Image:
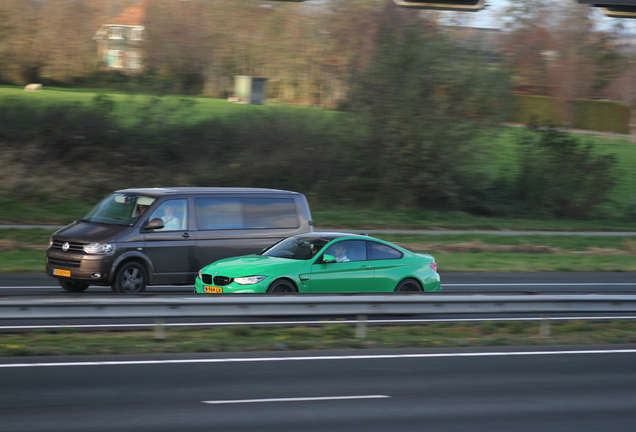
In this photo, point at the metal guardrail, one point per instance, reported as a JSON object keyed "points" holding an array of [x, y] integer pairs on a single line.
{"points": [[311, 306]]}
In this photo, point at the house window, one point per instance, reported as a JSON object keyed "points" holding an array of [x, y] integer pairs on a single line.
{"points": [[115, 58], [135, 34], [134, 60], [116, 33]]}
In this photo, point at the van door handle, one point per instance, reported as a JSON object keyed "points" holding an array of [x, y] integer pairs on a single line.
{"points": [[185, 235]]}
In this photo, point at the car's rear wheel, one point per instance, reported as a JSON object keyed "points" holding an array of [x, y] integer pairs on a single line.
{"points": [[408, 285], [282, 286], [72, 286], [131, 279]]}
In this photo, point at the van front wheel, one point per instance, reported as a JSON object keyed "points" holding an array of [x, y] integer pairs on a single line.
{"points": [[74, 287], [131, 279]]}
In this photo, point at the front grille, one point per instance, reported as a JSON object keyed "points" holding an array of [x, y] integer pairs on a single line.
{"points": [[58, 262], [218, 280], [222, 280], [73, 247]]}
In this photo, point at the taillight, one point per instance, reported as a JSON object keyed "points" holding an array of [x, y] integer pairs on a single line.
{"points": [[434, 266]]}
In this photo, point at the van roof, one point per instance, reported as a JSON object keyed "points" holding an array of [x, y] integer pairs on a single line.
{"points": [[160, 192]]}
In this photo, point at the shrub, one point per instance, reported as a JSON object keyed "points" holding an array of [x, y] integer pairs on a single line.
{"points": [[560, 175]]}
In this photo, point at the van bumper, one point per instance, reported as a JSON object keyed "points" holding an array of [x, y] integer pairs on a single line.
{"points": [[91, 269]]}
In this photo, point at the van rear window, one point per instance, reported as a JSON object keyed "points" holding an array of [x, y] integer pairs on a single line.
{"points": [[245, 213]]}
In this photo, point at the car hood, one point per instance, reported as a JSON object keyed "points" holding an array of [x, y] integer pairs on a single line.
{"points": [[252, 265], [90, 232]]}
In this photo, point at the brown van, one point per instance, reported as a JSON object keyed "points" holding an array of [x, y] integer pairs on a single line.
{"points": [[151, 236]]}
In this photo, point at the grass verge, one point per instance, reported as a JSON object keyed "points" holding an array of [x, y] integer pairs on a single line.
{"points": [[22, 251], [330, 336]]}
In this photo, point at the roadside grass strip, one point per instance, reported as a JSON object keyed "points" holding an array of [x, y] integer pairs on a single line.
{"points": [[336, 335]]}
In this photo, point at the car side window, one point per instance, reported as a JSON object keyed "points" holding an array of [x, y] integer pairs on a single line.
{"points": [[174, 214], [351, 250], [379, 251]]}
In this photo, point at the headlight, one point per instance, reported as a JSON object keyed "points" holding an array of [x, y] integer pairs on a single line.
{"points": [[249, 280], [99, 248], [199, 275]]}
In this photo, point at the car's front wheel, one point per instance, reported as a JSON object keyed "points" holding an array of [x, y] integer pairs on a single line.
{"points": [[131, 279], [408, 285], [74, 287], [282, 286]]}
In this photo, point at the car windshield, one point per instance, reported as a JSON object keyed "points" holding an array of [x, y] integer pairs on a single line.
{"points": [[119, 209], [298, 248]]}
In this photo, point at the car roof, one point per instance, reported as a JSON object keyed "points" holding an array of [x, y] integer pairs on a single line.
{"points": [[328, 236], [160, 192]]}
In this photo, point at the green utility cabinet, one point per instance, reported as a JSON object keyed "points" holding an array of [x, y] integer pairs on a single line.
{"points": [[250, 89]]}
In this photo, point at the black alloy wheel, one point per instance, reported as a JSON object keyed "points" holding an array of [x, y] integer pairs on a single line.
{"points": [[74, 287], [282, 286], [131, 279], [408, 285]]}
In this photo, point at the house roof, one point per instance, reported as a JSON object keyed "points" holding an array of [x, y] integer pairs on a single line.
{"points": [[133, 15]]}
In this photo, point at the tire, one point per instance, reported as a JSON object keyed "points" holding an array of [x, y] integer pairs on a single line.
{"points": [[282, 286], [74, 287], [131, 279], [408, 285]]}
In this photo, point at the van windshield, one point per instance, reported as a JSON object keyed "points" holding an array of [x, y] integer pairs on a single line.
{"points": [[119, 209]]}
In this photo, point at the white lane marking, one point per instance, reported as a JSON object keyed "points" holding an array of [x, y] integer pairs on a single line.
{"points": [[298, 399], [315, 358], [544, 284], [443, 285]]}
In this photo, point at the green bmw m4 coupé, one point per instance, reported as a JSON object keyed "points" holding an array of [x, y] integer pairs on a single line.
{"points": [[325, 263]]}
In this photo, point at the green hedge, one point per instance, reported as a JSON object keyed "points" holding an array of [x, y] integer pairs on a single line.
{"points": [[596, 115], [536, 109], [606, 116]]}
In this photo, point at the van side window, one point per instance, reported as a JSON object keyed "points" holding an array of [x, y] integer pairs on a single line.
{"points": [[242, 213], [270, 213], [174, 214], [219, 213]]}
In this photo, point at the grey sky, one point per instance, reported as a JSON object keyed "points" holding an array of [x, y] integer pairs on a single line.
{"points": [[488, 17]]}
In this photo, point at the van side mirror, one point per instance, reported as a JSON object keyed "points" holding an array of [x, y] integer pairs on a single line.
{"points": [[326, 259], [156, 223]]}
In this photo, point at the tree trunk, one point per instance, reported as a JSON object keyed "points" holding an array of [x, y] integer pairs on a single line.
{"points": [[632, 124]]}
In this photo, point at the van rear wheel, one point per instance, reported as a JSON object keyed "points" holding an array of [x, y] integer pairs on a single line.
{"points": [[74, 287], [131, 279]]}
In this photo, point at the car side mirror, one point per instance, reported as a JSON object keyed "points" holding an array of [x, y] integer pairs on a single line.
{"points": [[326, 259], [156, 223]]}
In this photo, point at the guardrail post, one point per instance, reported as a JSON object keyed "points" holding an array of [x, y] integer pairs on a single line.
{"points": [[160, 328], [361, 326], [545, 325]]}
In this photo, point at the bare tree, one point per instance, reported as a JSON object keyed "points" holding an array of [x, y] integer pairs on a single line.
{"points": [[48, 39]]}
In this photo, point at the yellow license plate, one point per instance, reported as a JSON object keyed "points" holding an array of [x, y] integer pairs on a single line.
{"points": [[58, 272], [212, 289]]}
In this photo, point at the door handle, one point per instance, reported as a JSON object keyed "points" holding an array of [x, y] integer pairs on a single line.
{"points": [[185, 235], [366, 267]]}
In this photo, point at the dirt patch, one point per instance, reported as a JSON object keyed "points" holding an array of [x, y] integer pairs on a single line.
{"points": [[477, 246], [12, 245]]}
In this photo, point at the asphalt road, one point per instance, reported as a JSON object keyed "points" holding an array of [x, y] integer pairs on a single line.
{"points": [[475, 283], [425, 390]]}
